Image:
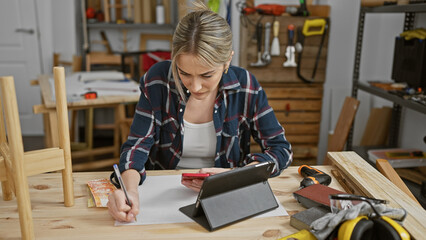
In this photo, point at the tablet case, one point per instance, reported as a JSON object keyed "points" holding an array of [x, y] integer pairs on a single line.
{"points": [[232, 196]]}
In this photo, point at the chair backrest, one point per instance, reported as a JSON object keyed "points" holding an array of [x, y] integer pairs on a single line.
{"points": [[76, 63], [343, 126], [16, 165]]}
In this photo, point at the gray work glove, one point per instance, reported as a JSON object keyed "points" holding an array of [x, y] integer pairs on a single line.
{"points": [[323, 226]]}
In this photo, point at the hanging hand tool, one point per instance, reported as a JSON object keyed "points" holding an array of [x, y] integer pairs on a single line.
{"points": [[266, 56], [310, 28], [259, 62], [275, 49], [302, 10], [313, 176], [290, 50], [270, 9]]}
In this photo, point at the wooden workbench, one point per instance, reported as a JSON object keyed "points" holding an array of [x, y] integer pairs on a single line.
{"points": [[54, 221]]}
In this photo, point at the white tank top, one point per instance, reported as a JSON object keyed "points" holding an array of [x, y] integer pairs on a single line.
{"points": [[199, 145]]}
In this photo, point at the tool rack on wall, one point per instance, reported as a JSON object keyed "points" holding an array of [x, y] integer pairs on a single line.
{"points": [[296, 104], [398, 102]]}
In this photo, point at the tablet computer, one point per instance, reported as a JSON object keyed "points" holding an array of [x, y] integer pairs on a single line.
{"points": [[237, 178], [234, 195]]}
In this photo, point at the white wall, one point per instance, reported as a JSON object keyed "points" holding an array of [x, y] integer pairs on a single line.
{"points": [[57, 31], [377, 55]]}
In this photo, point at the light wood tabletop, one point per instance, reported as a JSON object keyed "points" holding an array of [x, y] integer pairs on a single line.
{"points": [[54, 221]]}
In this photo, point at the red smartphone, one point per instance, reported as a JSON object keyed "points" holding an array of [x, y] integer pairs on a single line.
{"points": [[190, 176]]}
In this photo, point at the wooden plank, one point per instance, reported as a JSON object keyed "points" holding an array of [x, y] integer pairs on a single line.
{"points": [[300, 162], [7, 187], [296, 105], [182, 8], [375, 185], [147, 12], [93, 152], [46, 91], [377, 128], [285, 75], [137, 7], [319, 10], [43, 160], [411, 174], [86, 166], [302, 139], [167, 5], [388, 171], [117, 9], [342, 181], [16, 151], [305, 151], [106, 11], [308, 62], [341, 131], [293, 93], [301, 128], [63, 136], [298, 117], [2, 169], [299, 151]]}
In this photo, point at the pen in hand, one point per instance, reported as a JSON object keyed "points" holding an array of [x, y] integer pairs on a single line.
{"points": [[123, 187]]}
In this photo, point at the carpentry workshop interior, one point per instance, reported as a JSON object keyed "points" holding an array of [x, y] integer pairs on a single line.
{"points": [[346, 81]]}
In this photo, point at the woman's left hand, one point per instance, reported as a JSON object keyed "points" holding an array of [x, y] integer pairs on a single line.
{"points": [[195, 184]]}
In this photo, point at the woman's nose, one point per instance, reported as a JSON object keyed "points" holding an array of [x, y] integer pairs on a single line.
{"points": [[196, 85]]}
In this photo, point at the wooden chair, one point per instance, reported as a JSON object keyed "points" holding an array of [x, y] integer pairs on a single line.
{"points": [[16, 165], [347, 115], [119, 113], [75, 64], [103, 58]]}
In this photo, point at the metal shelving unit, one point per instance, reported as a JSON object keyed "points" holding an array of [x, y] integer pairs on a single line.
{"points": [[163, 28], [398, 102], [150, 28]]}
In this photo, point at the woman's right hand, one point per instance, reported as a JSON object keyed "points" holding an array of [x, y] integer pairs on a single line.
{"points": [[118, 208]]}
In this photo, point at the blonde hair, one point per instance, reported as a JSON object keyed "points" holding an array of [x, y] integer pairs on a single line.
{"points": [[204, 34]]}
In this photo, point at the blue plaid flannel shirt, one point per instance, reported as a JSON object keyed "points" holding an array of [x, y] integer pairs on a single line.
{"points": [[241, 110]]}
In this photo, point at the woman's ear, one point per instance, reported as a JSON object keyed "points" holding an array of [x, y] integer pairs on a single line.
{"points": [[228, 63]]}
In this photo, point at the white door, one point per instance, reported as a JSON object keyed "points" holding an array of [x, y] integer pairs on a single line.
{"points": [[20, 58]]}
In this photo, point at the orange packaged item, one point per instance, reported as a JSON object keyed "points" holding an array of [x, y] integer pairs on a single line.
{"points": [[100, 190]]}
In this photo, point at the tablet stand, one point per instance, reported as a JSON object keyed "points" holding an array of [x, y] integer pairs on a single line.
{"points": [[232, 206]]}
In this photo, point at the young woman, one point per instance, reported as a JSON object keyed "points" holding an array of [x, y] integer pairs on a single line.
{"points": [[197, 111]]}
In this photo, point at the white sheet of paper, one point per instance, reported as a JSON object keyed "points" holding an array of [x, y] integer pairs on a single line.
{"points": [[108, 87], [161, 197]]}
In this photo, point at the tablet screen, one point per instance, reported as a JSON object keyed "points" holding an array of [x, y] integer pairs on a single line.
{"points": [[234, 179]]}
